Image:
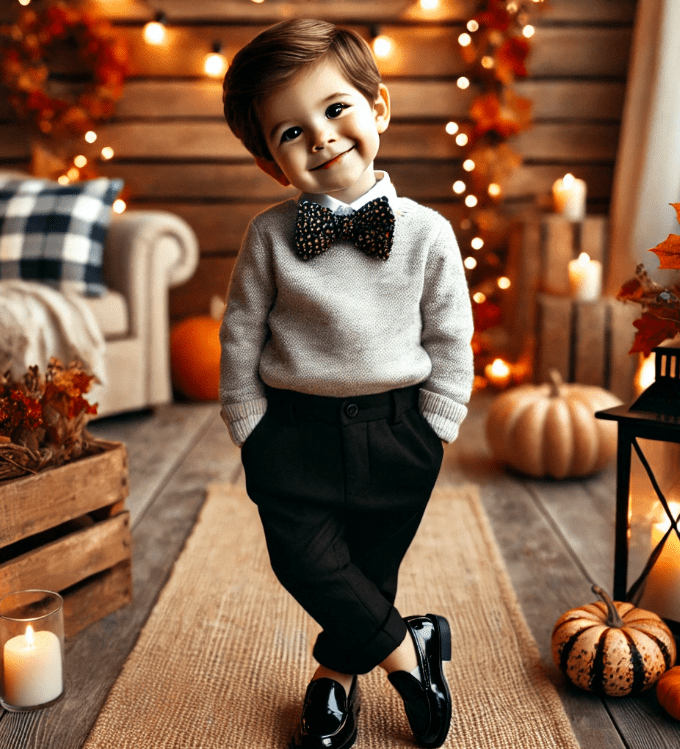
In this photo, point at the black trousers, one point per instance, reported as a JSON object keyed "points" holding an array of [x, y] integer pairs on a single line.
{"points": [[341, 485]]}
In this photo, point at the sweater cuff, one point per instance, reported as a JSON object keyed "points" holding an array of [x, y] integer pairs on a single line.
{"points": [[242, 418], [443, 414]]}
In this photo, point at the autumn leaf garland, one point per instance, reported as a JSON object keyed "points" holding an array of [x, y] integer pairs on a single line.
{"points": [[660, 305]]}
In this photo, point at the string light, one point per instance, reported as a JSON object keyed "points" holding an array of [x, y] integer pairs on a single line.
{"points": [[472, 25], [465, 40], [154, 31], [24, 2], [107, 153], [119, 205], [471, 201], [470, 262], [452, 128], [463, 82], [488, 62], [382, 46], [461, 139], [504, 282], [90, 136], [73, 174], [468, 165], [494, 190], [459, 187], [80, 161], [63, 180], [215, 64], [528, 31], [479, 297], [477, 243]]}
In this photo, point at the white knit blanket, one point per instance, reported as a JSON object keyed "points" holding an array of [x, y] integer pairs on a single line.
{"points": [[38, 322]]}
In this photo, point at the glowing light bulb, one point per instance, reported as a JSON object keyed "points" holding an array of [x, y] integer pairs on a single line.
{"points": [[465, 40], [494, 190], [461, 139], [472, 25], [24, 2], [488, 62], [382, 46], [468, 165], [90, 136], [479, 297], [107, 153], [452, 128], [503, 282], [477, 243], [463, 82], [459, 186], [215, 64], [119, 206], [63, 179], [154, 32], [471, 201], [73, 174], [528, 31], [80, 161], [470, 263]]}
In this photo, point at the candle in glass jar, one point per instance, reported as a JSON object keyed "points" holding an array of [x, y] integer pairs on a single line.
{"points": [[585, 278], [32, 668], [569, 197], [498, 373]]}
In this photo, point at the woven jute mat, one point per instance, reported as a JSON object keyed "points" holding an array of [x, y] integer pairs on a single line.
{"points": [[224, 658]]}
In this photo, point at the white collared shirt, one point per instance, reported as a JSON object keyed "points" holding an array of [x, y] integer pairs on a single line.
{"points": [[382, 188]]}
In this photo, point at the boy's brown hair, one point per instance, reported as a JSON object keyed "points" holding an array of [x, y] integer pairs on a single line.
{"points": [[275, 56]]}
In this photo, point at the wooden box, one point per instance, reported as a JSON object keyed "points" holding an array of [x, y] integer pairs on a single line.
{"points": [[66, 529]]}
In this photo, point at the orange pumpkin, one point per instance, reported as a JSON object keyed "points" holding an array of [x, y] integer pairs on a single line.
{"points": [[550, 429], [612, 648], [668, 692], [195, 357]]}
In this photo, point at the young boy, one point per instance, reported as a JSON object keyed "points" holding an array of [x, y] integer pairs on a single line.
{"points": [[346, 363]]}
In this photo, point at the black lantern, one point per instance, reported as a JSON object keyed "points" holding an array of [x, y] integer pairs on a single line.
{"points": [[647, 538]]}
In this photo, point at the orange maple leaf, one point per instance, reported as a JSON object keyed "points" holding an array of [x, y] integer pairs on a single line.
{"points": [[668, 252], [651, 331]]}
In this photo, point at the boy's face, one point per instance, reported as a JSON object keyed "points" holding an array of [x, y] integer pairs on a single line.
{"points": [[323, 134]]}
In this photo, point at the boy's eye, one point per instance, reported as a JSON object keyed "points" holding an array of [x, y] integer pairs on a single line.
{"points": [[291, 134], [335, 109]]}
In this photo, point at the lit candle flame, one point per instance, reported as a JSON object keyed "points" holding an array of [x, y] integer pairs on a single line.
{"points": [[29, 636]]}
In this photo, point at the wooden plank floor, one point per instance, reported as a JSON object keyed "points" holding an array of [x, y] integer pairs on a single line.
{"points": [[556, 539]]}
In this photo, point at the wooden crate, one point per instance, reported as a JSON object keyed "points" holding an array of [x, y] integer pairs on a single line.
{"points": [[66, 529]]}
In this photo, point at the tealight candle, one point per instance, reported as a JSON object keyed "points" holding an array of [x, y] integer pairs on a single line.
{"points": [[498, 373], [569, 197], [33, 672], [585, 278]]}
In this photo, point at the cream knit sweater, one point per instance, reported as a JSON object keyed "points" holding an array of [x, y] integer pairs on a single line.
{"points": [[344, 324]]}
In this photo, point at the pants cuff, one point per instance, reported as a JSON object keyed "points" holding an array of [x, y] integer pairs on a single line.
{"points": [[362, 658]]}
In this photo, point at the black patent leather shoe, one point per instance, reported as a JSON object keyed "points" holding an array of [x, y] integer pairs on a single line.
{"points": [[427, 701], [329, 716]]}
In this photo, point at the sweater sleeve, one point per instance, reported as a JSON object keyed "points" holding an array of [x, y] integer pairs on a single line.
{"points": [[243, 334], [447, 329]]}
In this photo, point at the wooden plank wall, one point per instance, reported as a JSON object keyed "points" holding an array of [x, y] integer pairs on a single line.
{"points": [[176, 153]]}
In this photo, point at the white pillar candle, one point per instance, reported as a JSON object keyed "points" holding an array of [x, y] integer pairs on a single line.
{"points": [[32, 668], [585, 278], [569, 197], [662, 589]]}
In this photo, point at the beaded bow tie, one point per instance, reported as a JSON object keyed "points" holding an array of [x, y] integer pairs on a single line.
{"points": [[371, 229]]}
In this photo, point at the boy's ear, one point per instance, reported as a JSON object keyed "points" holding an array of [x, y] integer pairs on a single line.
{"points": [[272, 169], [381, 108]]}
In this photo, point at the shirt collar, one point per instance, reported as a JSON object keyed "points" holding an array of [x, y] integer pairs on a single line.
{"points": [[382, 188]]}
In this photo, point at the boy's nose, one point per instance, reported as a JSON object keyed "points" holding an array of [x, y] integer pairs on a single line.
{"points": [[321, 139]]}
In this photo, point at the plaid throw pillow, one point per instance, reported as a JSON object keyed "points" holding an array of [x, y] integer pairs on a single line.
{"points": [[54, 233]]}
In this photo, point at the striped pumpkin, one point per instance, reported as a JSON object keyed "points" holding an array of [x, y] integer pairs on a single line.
{"points": [[612, 648]]}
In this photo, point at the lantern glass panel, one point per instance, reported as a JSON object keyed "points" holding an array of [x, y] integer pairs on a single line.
{"points": [[648, 523]]}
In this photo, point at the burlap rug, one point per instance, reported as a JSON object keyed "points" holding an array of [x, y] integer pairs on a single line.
{"points": [[223, 661]]}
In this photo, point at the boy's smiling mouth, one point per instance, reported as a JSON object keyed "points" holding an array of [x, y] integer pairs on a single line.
{"points": [[331, 162]]}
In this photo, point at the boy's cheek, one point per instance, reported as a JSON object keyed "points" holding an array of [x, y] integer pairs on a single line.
{"points": [[272, 169]]}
